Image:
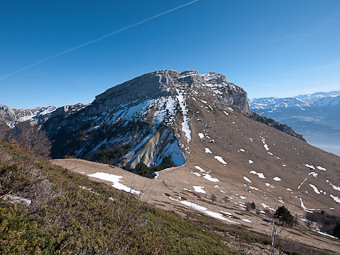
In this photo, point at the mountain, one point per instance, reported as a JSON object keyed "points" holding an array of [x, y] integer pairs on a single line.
{"points": [[219, 158], [11, 117], [24, 126], [145, 120], [316, 116]]}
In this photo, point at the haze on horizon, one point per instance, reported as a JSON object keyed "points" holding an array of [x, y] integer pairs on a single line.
{"points": [[281, 48]]}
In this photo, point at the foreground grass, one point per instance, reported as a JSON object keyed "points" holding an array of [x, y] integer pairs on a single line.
{"points": [[70, 214]]}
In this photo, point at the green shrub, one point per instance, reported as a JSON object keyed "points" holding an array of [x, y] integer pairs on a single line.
{"points": [[283, 214], [149, 172]]}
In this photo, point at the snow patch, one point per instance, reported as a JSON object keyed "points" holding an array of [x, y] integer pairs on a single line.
{"points": [[246, 179], [210, 178], [323, 233], [175, 152], [185, 123], [226, 213], [203, 210], [302, 183], [321, 168], [260, 175], [266, 206], [334, 186], [336, 199], [269, 185], [303, 206], [200, 169], [220, 159], [207, 150], [264, 143], [199, 189], [315, 188], [115, 179], [277, 179], [309, 166], [195, 173], [314, 174]]}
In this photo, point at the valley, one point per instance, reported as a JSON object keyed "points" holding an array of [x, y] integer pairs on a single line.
{"points": [[314, 115]]}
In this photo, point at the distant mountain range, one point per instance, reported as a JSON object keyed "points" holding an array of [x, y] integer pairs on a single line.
{"points": [[316, 116], [11, 117]]}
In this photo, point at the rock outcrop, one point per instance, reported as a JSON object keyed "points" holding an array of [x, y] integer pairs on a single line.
{"points": [[164, 83]]}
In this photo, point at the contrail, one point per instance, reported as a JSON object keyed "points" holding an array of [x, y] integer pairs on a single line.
{"points": [[96, 40]]}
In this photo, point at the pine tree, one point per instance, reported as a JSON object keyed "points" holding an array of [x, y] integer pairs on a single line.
{"points": [[283, 214]]}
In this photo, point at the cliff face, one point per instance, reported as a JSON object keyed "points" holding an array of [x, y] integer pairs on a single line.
{"points": [[165, 82], [144, 120]]}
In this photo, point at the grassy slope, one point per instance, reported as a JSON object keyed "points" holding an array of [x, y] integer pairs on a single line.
{"points": [[64, 218], [71, 214]]}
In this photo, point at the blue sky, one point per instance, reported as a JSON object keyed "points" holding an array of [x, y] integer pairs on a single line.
{"points": [[269, 48]]}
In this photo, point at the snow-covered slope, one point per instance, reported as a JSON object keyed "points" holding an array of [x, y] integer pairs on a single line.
{"points": [[301, 102], [11, 116], [316, 116]]}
